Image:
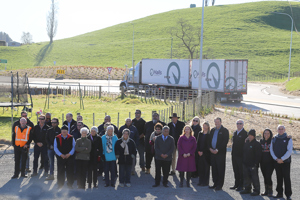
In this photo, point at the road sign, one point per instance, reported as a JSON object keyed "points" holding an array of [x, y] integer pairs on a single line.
{"points": [[60, 71], [109, 69], [3, 61]]}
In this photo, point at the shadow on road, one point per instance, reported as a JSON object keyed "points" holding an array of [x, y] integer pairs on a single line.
{"points": [[244, 105]]}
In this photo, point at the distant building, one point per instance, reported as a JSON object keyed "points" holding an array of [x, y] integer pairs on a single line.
{"points": [[14, 44], [3, 43], [193, 6]]}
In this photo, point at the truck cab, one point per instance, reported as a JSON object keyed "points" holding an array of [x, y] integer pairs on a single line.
{"points": [[131, 77]]}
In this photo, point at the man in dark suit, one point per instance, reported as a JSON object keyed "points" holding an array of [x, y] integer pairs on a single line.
{"points": [[238, 141], [218, 140], [149, 128], [176, 128], [70, 123]]}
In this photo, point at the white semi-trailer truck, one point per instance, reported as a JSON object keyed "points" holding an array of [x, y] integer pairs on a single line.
{"points": [[228, 78]]}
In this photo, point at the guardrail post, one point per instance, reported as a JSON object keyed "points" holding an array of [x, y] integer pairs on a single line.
{"points": [[118, 120], [165, 95]]}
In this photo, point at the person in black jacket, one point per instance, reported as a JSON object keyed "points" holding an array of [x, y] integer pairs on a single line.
{"points": [[251, 159], [139, 123], [125, 151], [195, 124], [40, 147], [52, 132], [70, 123], [203, 155], [95, 156], [149, 128], [238, 141], [218, 139], [107, 119], [267, 162], [48, 119], [176, 128]]}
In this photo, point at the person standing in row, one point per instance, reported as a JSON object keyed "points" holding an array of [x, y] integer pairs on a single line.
{"points": [[21, 139], [238, 141], [70, 123], [80, 119], [64, 147], [195, 124], [52, 132], [218, 140], [251, 159], [267, 162], [164, 146], [108, 142], [187, 146], [83, 148], [149, 128], [30, 124], [107, 119], [204, 155], [125, 150], [176, 128], [48, 119], [139, 123], [40, 147], [95, 156], [281, 151]]}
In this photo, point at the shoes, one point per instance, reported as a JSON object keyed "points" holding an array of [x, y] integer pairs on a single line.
{"points": [[27, 170], [147, 171], [45, 174], [132, 173], [143, 169], [233, 187], [106, 185], [166, 185], [239, 189], [50, 177], [34, 174], [121, 185], [95, 186], [59, 187], [41, 167], [288, 198], [155, 185], [128, 185], [89, 186], [112, 185], [14, 177], [212, 187], [172, 173], [245, 191], [218, 188], [278, 196], [24, 176], [254, 194]]}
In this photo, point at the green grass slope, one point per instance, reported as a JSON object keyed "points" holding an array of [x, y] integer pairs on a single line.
{"points": [[242, 31], [293, 85]]}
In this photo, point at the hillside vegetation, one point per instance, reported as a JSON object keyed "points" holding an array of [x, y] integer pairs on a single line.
{"points": [[242, 31]]}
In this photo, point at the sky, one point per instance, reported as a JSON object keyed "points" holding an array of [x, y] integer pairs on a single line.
{"points": [[76, 17]]}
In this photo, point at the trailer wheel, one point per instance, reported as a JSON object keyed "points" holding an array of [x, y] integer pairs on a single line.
{"points": [[218, 98]]}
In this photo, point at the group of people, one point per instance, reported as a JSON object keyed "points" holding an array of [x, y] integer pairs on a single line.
{"points": [[84, 153]]}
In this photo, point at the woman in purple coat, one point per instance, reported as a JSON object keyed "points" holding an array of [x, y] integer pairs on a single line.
{"points": [[186, 155]]}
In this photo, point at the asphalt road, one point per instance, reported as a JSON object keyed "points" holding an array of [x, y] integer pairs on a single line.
{"points": [[36, 188]]}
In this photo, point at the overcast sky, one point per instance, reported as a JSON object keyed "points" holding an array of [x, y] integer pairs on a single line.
{"points": [[76, 17]]}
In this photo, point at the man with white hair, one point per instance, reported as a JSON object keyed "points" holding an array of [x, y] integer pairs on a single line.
{"points": [[21, 139], [238, 141], [107, 118], [281, 150], [70, 122]]}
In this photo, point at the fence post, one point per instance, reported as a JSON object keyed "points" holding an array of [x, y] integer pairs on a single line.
{"points": [[165, 95], [62, 117], [93, 119], [118, 120], [70, 90], [129, 114], [183, 111]]}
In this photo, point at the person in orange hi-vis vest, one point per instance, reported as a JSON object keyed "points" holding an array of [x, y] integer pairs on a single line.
{"points": [[21, 139]]}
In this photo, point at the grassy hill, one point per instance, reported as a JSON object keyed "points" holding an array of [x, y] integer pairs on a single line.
{"points": [[247, 31]]}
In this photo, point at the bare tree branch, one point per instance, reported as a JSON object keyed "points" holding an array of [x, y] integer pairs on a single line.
{"points": [[26, 38]]}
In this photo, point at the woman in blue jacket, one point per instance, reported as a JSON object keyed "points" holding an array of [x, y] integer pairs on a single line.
{"points": [[108, 142]]}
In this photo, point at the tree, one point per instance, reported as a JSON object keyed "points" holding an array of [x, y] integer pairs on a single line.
{"points": [[52, 21], [5, 37], [189, 35], [26, 38]]}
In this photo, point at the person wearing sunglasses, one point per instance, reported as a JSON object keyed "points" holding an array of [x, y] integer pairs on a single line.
{"points": [[40, 147], [238, 141], [195, 124]]}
